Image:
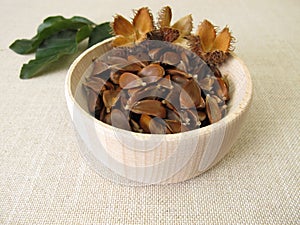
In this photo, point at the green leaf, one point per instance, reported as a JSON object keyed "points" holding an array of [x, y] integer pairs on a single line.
{"points": [[100, 33], [56, 37], [83, 33], [53, 48], [50, 26], [49, 21]]}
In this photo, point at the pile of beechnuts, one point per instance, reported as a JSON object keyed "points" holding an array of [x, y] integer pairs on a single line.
{"points": [[160, 79]]}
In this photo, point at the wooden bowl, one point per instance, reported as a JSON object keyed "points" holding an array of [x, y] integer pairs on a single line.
{"points": [[157, 158]]}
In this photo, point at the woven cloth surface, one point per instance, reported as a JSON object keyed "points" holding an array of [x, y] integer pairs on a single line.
{"points": [[44, 179]]}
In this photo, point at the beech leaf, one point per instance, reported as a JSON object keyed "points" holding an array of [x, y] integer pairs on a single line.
{"points": [[53, 48], [56, 37], [50, 26], [100, 33]]}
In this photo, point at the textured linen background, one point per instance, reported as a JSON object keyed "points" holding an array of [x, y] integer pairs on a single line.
{"points": [[44, 180]]}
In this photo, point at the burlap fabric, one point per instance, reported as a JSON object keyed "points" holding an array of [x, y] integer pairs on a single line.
{"points": [[44, 180]]}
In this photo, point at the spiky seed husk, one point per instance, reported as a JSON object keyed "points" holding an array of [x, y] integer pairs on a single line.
{"points": [[194, 44], [143, 22], [155, 35], [222, 41], [121, 40], [211, 47], [128, 33], [170, 34], [164, 17], [207, 33], [164, 34], [122, 26], [184, 25], [214, 58]]}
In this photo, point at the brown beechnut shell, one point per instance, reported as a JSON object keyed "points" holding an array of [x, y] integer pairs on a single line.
{"points": [[150, 107], [152, 70], [131, 89]]}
